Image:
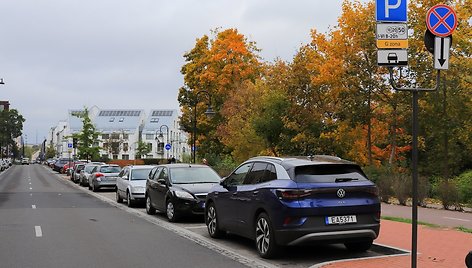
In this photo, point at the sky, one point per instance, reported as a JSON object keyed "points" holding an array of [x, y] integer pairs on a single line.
{"points": [[57, 55]]}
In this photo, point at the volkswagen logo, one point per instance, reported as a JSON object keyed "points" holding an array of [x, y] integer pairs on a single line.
{"points": [[341, 193]]}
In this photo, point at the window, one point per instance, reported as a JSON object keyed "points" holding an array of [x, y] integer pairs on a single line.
{"points": [[125, 157], [238, 175], [164, 174], [150, 146], [160, 147], [329, 173], [257, 173], [115, 156], [271, 173], [149, 136], [105, 136], [155, 173], [125, 147], [125, 136], [105, 145], [115, 136]]}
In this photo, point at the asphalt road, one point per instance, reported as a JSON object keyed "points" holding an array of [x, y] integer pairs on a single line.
{"points": [[48, 221]]}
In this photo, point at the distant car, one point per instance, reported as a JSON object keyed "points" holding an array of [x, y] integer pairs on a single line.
{"points": [[25, 161], [179, 189], [76, 172], [86, 172], [103, 176], [131, 184], [292, 201], [59, 164]]}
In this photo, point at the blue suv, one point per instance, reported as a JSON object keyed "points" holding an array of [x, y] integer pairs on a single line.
{"points": [[295, 200]]}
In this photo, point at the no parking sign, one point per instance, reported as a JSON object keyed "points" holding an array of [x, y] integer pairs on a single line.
{"points": [[441, 20]]}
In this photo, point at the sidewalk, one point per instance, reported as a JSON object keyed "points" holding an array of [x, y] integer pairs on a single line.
{"points": [[441, 248]]}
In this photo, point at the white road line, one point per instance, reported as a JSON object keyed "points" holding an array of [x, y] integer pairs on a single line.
{"points": [[39, 232], [457, 219], [33, 206]]}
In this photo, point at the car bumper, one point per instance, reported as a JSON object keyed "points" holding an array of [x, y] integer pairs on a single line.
{"points": [[190, 207], [100, 184]]}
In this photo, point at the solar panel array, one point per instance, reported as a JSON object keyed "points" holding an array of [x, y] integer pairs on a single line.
{"points": [[162, 113], [119, 113]]}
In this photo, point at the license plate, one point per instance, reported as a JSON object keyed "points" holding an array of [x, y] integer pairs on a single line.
{"points": [[341, 219]]}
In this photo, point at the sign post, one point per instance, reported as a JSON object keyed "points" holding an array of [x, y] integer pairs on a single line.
{"points": [[441, 21]]}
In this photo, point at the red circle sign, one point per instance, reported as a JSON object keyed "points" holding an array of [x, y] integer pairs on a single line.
{"points": [[441, 20]]}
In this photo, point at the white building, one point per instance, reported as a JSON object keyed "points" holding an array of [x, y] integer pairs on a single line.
{"points": [[121, 130]]}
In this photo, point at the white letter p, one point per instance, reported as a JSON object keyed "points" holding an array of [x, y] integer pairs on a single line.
{"points": [[388, 7]]}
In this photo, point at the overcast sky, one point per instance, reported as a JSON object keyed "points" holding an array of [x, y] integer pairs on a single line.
{"points": [[57, 55]]}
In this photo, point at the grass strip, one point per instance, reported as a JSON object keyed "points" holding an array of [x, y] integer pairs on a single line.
{"points": [[463, 229], [410, 221]]}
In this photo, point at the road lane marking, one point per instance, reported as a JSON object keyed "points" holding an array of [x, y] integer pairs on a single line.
{"points": [[31, 188], [33, 206], [457, 219], [38, 231]]}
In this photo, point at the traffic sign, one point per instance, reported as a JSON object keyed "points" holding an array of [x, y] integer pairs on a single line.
{"points": [[392, 57], [391, 10], [441, 20], [392, 43], [441, 53], [69, 145], [168, 146], [389, 31]]}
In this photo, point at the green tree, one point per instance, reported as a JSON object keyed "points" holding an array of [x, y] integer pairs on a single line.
{"points": [[142, 149], [11, 127], [50, 152], [87, 139]]}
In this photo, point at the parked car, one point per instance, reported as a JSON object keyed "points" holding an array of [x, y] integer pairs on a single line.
{"points": [[131, 184], [103, 176], [293, 201], [86, 172], [59, 164], [76, 172], [179, 189], [25, 161]]}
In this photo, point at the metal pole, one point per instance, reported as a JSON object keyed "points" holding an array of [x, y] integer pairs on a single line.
{"points": [[194, 130], [414, 212]]}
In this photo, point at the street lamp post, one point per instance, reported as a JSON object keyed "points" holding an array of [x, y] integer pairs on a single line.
{"points": [[209, 112], [167, 136]]}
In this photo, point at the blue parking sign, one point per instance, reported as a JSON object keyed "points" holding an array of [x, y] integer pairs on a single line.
{"points": [[391, 10]]}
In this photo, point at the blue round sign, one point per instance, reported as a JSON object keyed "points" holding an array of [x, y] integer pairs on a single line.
{"points": [[168, 146], [441, 20]]}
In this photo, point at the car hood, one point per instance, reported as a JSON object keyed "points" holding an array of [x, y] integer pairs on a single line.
{"points": [[195, 188]]}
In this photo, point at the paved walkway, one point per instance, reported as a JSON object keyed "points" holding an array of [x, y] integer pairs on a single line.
{"points": [[437, 248]]}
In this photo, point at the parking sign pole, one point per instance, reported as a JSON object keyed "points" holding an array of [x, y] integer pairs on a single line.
{"points": [[414, 212]]}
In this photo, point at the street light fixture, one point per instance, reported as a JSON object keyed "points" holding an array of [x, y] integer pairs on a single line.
{"points": [[209, 113]]}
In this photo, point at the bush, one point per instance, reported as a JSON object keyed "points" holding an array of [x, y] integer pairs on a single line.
{"points": [[464, 186], [449, 195], [382, 177], [402, 187]]}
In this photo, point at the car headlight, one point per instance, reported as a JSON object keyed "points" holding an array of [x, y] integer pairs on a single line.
{"points": [[184, 195]]}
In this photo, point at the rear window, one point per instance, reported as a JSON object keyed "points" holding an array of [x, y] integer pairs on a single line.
{"points": [[88, 169], [109, 169], [328, 173]]}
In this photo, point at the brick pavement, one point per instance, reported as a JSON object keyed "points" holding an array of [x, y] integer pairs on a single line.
{"points": [[437, 248]]}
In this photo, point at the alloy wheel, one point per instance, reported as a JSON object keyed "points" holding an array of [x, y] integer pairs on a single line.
{"points": [[170, 211], [262, 235], [211, 219]]}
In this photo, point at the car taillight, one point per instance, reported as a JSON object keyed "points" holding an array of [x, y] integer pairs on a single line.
{"points": [[99, 175], [372, 190], [292, 194]]}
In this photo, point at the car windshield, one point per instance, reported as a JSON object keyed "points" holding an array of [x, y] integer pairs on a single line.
{"points": [[110, 169], [80, 167], [140, 174], [328, 173], [189, 175]]}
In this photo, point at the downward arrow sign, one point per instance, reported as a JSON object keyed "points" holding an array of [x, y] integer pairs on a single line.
{"points": [[442, 59], [441, 52]]}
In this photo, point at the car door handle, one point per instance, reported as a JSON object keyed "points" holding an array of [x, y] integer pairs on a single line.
{"points": [[235, 193], [255, 192]]}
